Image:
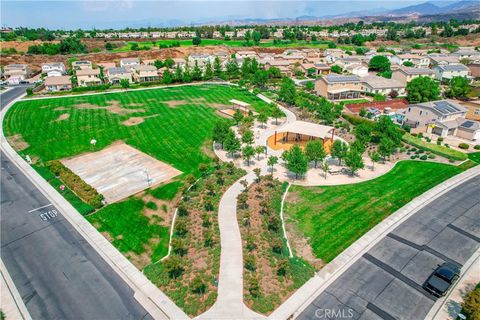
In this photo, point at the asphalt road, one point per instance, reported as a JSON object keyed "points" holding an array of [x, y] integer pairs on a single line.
{"points": [[11, 94], [57, 273], [386, 283]]}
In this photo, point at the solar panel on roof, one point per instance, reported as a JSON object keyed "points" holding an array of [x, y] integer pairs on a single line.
{"points": [[445, 107], [467, 124]]}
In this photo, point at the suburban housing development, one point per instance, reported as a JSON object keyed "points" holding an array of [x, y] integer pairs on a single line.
{"points": [[289, 168]]}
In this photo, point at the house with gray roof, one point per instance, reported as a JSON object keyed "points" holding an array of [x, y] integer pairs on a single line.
{"points": [[117, 74], [339, 87], [407, 74], [447, 72], [442, 118], [380, 85]]}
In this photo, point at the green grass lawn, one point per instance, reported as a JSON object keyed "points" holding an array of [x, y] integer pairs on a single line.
{"points": [[173, 134], [130, 230], [228, 43], [334, 217], [474, 156]]}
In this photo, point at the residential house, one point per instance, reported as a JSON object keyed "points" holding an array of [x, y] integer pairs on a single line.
{"points": [[443, 118], [440, 59], [16, 73], [357, 69], [285, 67], [143, 73], [407, 74], [57, 83], [246, 54], [88, 77], [314, 69], [81, 64], [106, 65], [149, 62], [467, 53], [128, 63], [54, 69], [116, 74], [379, 85], [447, 72], [474, 69], [417, 60], [339, 87], [348, 61], [473, 110], [180, 62]]}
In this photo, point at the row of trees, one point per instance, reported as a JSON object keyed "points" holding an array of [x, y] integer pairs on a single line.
{"points": [[424, 89], [70, 45]]}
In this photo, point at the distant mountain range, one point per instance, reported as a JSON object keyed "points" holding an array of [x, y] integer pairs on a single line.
{"points": [[424, 12]]}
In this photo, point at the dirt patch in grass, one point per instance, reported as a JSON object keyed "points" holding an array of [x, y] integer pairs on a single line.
{"points": [[17, 142], [63, 116], [302, 248], [163, 214], [208, 150], [175, 103], [292, 197], [218, 106], [58, 109], [133, 121], [113, 106]]}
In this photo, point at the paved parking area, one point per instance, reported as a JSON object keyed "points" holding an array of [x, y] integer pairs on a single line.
{"points": [[386, 283]]}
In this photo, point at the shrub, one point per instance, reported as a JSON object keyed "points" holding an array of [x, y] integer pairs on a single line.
{"points": [[179, 247], [471, 304], [198, 285], [174, 266], [413, 157], [253, 286], [208, 238], [83, 190], [151, 205], [438, 150], [182, 211], [277, 245], [424, 157], [477, 147], [440, 139], [282, 267], [464, 146], [431, 156], [250, 262]]}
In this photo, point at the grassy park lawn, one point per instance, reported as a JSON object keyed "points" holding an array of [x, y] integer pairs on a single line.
{"points": [[173, 125], [474, 156], [334, 217]]}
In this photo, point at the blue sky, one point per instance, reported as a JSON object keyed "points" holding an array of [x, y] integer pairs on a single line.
{"points": [[134, 13]]}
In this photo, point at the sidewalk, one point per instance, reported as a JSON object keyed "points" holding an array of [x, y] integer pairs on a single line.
{"points": [[327, 275], [148, 295], [10, 301]]}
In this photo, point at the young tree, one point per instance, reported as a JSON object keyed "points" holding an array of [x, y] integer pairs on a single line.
{"points": [[174, 266], [197, 72], [336, 69], [272, 160], [260, 78], [125, 83], [220, 131], [258, 151], [339, 150], [325, 167], [363, 133], [158, 64], [208, 75], [276, 112], [258, 174], [248, 152], [288, 91], [237, 116], [247, 137], [354, 161], [196, 41], [386, 147], [231, 143], [217, 67], [309, 86], [315, 151], [375, 157], [167, 77], [379, 63], [297, 161], [262, 118], [458, 87], [422, 89]]}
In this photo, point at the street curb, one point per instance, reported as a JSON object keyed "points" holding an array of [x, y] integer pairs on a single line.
{"points": [[148, 295], [304, 296], [10, 286]]}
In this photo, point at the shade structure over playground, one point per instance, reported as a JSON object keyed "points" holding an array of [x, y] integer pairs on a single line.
{"points": [[308, 129]]}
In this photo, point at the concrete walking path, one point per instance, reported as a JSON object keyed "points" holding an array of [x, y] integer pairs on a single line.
{"points": [[11, 302]]}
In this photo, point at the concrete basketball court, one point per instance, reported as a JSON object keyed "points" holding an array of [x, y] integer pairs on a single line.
{"points": [[120, 171]]}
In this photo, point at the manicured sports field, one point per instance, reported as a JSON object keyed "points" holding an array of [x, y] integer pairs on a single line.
{"points": [[174, 125], [177, 122], [335, 217]]}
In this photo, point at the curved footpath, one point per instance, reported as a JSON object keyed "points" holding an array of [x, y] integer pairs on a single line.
{"points": [[229, 304]]}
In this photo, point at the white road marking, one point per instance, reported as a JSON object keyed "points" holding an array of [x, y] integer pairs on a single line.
{"points": [[48, 205]]}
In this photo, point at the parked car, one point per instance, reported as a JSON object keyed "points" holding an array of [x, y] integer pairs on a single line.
{"points": [[442, 279]]}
